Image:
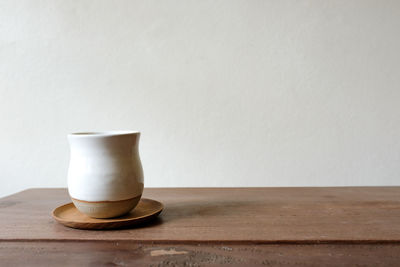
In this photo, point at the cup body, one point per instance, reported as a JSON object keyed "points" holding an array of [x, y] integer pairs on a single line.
{"points": [[105, 175]]}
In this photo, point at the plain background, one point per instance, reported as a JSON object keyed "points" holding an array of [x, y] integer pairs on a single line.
{"points": [[225, 93]]}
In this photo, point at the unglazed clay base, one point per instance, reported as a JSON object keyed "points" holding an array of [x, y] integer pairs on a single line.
{"points": [[106, 209]]}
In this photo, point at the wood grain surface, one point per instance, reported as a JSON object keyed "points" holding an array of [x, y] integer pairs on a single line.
{"points": [[128, 253], [352, 226], [258, 215]]}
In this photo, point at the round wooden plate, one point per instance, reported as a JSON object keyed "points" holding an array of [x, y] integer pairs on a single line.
{"points": [[146, 210]]}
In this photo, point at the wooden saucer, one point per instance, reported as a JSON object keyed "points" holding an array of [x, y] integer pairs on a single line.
{"points": [[146, 210]]}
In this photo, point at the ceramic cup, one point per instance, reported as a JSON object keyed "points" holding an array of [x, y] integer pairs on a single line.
{"points": [[105, 175]]}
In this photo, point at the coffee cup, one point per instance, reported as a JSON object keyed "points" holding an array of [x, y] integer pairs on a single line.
{"points": [[105, 175]]}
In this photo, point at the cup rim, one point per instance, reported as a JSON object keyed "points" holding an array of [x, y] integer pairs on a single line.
{"points": [[102, 134]]}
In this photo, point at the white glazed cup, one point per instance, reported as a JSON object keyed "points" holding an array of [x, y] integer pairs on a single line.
{"points": [[105, 175]]}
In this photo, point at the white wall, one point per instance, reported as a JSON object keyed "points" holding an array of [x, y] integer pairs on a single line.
{"points": [[226, 93]]}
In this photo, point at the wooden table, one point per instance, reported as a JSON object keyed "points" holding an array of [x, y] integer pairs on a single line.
{"points": [[348, 226]]}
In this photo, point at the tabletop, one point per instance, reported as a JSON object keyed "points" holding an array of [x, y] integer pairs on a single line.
{"points": [[328, 226]]}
